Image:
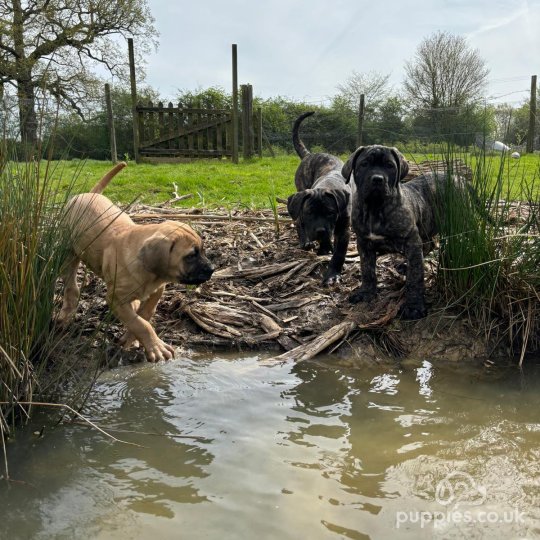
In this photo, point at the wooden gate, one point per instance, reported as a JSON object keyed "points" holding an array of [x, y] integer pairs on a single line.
{"points": [[175, 132]]}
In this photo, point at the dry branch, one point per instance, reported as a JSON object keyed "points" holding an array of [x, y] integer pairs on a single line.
{"points": [[73, 411], [234, 324], [295, 303], [240, 296], [259, 272], [320, 343]]}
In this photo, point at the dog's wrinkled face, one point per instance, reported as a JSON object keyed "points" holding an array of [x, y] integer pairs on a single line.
{"points": [[176, 253], [377, 172], [319, 210]]}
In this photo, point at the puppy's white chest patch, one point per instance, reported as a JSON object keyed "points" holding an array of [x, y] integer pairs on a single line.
{"points": [[374, 223], [372, 236]]}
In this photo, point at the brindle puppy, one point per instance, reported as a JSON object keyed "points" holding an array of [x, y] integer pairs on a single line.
{"points": [[322, 205], [389, 216]]}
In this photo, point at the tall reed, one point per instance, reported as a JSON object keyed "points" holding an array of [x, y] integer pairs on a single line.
{"points": [[33, 248], [489, 256]]}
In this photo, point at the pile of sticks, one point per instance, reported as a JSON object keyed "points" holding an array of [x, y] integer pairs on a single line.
{"points": [[438, 166]]}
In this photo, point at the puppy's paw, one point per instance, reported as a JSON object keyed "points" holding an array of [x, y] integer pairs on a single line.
{"points": [[324, 250], [413, 313], [128, 340], [401, 268], [307, 246], [64, 318], [159, 350], [331, 278], [362, 295]]}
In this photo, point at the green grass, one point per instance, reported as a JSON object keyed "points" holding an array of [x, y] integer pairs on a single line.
{"points": [[212, 182], [215, 183]]}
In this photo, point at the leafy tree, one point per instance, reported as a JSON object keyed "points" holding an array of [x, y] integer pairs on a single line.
{"points": [[51, 47], [74, 137], [390, 120], [502, 116], [330, 129], [461, 126], [444, 83], [214, 97], [518, 121], [345, 103]]}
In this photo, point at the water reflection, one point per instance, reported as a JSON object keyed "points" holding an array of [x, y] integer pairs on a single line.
{"points": [[317, 448]]}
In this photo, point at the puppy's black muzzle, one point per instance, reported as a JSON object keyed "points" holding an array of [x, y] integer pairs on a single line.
{"points": [[200, 274], [377, 180], [321, 234], [375, 189]]}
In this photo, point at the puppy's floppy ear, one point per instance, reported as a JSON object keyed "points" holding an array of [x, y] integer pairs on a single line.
{"points": [[348, 168], [154, 254], [295, 202], [403, 165], [341, 198]]}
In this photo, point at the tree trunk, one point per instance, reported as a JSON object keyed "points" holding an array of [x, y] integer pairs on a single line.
{"points": [[25, 86], [27, 112]]}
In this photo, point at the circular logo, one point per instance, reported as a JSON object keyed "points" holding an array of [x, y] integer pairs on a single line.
{"points": [[459, 487]]}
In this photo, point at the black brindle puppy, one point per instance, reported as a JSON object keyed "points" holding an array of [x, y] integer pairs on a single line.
{"points": [[388, 217], [321, 207]]}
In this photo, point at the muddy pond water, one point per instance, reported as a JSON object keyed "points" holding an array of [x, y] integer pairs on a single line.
{"points": [[314, 450]]}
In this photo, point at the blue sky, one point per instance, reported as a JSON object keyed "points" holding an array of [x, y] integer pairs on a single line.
{"points": [[304, 49]]}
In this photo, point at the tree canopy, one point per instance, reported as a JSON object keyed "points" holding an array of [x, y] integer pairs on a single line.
{"points": [[53, 47], [445, 72], [444, 83]]}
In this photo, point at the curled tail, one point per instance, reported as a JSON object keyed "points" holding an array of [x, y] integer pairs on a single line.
{"points": [[299, 146], [102, 184]]}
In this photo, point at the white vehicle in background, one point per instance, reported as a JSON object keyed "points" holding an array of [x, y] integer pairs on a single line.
{"points": [[498, 146]]}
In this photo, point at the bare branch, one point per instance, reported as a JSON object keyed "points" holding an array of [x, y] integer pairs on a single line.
{"points": [[373, 85]]}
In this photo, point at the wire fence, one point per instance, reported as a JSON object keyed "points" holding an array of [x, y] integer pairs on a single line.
{"points": [[332, 129]]}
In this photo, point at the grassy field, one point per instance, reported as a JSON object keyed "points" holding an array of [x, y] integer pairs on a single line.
{"points": [[212, 183], [219, 183]]}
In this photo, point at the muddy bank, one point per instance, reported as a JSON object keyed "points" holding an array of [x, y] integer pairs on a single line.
{"points": [[266, 294]]}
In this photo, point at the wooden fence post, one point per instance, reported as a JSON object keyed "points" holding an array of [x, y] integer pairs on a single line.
{"points": [[133, 99], [234, 104], [110, 122], [259, 131], [532, 117], [360, 121], [247, 120]]}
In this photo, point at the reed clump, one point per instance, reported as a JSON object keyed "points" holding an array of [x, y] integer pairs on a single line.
{"points": [[489, 255], [33, 247]]}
